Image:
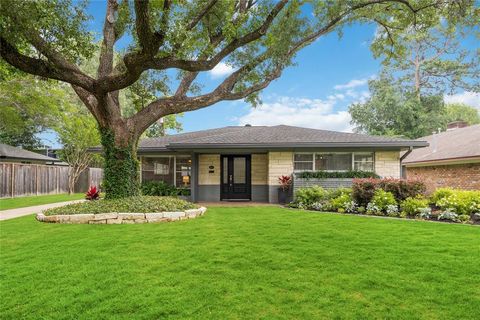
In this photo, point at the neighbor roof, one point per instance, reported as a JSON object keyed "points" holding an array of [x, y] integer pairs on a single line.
{"points": [[10, 152], [280, 136], [461, 143]]}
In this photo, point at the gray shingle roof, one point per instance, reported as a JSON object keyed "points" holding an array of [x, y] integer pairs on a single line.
{"points": [[275, 136], [7, 151], [453, 144]]}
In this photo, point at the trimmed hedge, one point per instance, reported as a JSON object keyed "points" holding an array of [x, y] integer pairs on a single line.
{"points": [[336, 174], [136, 204], [160, 188], [364, 189]]}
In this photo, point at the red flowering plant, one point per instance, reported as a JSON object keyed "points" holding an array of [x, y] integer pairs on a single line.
{"points": [[93, 193], [285, 182]]}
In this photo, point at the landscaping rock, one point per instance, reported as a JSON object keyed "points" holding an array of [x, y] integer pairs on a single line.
{"points": [[173, 216], [114, 221], [140, 221], [105, 216], [192, 213], [131, 216], [81, 218]]}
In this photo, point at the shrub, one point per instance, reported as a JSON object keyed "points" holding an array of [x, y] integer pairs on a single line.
{"points": [[441, 193], [373, 209], [459, 201], [335, 193], [463, 218], [336, 174], [424, 213], [392, 210], [361, 210], [382, 199], [130, 204], [341, 210], [307, 196], [341, 202], [160, 188], [412, 206], [364, 189], [448, 215]]}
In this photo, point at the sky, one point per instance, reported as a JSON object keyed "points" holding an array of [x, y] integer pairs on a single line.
{"points": [[329, 75]]}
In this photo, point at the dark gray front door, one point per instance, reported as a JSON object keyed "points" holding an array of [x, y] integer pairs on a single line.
{"points": [[235, 176]]}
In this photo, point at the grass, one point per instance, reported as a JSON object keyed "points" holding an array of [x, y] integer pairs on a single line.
{"points": [[20, 202], [241, 263]]}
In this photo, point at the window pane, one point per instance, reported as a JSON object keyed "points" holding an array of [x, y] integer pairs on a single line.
{"points": [[364, 157], [239, 170], [303, 157], [225, 170], [364, 161], [333, 161], [158, 169], [364, 166], [183, 171], [303, 166]]}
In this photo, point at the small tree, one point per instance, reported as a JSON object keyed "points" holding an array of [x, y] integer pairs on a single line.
{"points": [[178, 41]]}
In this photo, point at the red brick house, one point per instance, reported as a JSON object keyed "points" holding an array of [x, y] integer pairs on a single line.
{"points": [[452, 159]]}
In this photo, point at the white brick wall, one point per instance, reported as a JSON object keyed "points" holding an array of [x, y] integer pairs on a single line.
{"points": [[259, 169], [387, 164], [279, 163]]}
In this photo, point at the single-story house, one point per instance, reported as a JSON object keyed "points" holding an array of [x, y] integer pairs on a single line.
{"points": [[244, 162], [19, 155], [452, 158]]}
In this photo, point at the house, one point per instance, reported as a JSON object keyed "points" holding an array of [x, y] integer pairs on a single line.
{"points": [[19, 155], [244, 162], [452, 158]]}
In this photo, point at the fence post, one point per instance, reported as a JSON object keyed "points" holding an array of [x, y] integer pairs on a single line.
{"points": [[12, 180]]}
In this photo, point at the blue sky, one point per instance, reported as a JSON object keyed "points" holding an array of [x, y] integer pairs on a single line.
{"points": [[329, 75]]}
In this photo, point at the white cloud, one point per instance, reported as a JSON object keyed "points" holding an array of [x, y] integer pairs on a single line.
{"points": [[351, 84], [220, 70], [302, 112], [467, 97]]}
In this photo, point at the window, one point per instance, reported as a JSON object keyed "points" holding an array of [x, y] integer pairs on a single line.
{"points": [[363, 161], [303, 161], [173, 170], [334, 161]]}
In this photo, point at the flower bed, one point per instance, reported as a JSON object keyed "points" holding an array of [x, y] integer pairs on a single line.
{"points": [[448, 205], [123, 211]]}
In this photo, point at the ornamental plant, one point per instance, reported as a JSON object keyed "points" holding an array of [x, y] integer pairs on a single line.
{"points": [[93, 193], [462, 202], [412, 206], [285, 182], [382, 199]]}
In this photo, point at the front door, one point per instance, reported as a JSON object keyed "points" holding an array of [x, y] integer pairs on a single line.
{"points": [[235, 172]]}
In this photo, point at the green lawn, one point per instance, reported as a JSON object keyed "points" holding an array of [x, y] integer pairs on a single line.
{"points": [[241, 263], [20, 202]]}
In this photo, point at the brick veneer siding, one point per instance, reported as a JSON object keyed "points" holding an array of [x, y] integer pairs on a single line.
{"points": [[205, 177], [463, 176], [387, 164], [260, 169]]}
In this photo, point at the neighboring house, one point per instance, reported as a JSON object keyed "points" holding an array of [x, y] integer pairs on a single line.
{"points": [[244, 162], [451, 160], [19, 155]]}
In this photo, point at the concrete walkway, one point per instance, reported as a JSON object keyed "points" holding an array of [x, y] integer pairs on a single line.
{"points": [[20, 212]]}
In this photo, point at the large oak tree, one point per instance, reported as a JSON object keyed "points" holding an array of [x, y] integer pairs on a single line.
{"points": [[178, 40]]}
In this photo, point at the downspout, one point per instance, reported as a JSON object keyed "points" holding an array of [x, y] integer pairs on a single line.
{"points": [[410, 149]]}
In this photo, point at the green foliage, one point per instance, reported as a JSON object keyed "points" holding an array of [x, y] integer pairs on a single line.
{"points": [[160, 188], [461, 112], [462, 202], [411, 206], [394, 111], [336, 174], [121, 168], [382, 199], [441, 193], [140, 204], [344, 202], [364, 189], [308, 196]]}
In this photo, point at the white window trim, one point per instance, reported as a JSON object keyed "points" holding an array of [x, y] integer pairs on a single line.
{"points": [[314, 154]]}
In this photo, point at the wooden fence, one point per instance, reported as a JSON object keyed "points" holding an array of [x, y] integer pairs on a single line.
{"points": [[17, 179]]}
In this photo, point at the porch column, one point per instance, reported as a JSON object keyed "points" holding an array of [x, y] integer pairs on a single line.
{"points": [[194, 177]]}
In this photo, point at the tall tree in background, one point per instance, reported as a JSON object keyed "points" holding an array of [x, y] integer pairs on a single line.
{"points": [[258, 39], [428, 59]]}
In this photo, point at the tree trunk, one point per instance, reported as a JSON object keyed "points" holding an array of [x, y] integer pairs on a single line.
{"points": [[121, 178]]}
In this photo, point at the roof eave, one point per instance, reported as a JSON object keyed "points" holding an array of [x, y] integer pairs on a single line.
{"points": [[399, 144]]}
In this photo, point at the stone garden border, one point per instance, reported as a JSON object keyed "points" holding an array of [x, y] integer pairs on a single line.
{"points": [[122, 218]]}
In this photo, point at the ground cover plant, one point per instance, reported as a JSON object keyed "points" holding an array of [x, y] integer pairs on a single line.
{"points": [[140, 204], [21, 202], [241, 263]]}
